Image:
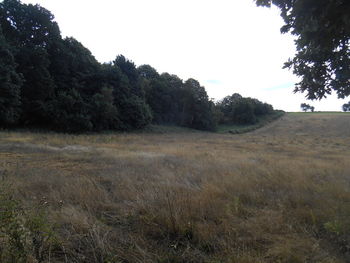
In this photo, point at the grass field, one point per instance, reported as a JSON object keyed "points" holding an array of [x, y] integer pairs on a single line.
{"points": [[278, 194]]}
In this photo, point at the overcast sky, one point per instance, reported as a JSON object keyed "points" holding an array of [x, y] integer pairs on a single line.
{"points": [[228, 46]]}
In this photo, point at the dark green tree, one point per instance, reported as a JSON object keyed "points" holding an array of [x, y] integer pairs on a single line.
{"points": [[104, 114], [10, 86], [128, 94], [159, 99], [73, 66], [38, 88], [128, 68], [227, 107], [27, 25], [30, 29], [260, 108], [56, 83], [147, 72], [239, 110], [173, 98], [70, 113], [346, 107], [322, 30], [163, 95], [134, 113], [243, 112], [306, 107], [197, 109]]}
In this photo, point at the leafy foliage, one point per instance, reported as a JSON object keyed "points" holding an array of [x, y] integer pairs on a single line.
{"points": [[306, 107], [346, 106], [197, 109], [10, 85], [70, 112], [239, 110], [104, 114], [176, 102], [322, 29], [50, 82], [25, 235]]}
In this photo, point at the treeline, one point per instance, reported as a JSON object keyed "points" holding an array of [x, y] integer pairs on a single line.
{"points": [[238, 110], [50, 82]]}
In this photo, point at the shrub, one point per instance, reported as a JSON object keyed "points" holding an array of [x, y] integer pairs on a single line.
{"points": [[25, 235]]}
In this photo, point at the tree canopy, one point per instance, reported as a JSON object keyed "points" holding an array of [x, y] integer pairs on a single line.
{"points": [[10, 85], [346, 107], [306, 107], [236, 109], [51, 82], [322, 30]]}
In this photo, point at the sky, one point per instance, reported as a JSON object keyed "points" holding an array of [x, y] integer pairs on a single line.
{"points": [[228, 46]]}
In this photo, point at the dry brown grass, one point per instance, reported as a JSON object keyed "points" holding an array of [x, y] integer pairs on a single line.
{"points": [[279, 194]]}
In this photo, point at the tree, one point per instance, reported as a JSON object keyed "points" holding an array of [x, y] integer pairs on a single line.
{"points": [[197, 109], [57, 83], [147, 72], [38, 88], [305, 107], [27, 25], [174, 98], [128, 68], [322, 28], [73, 66], [10, 86], [243, 112], [70, 113], [238, 110], [346, 107], [163, 95], [104, 114], [134, 113], [30, 29]]}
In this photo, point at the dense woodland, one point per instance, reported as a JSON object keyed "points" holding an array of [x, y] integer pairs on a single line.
{"points": [[51, 82]]}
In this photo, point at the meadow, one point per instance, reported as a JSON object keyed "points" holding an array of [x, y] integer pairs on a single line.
{"points": [[278, 194]]}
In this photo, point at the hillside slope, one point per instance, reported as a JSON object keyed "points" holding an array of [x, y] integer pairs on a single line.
{"points": [[310, 124]]}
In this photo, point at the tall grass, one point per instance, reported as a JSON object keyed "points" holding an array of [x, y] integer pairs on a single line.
{"points": [[280, 194]]}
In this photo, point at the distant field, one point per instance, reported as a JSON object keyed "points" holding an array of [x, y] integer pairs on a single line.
{"points": [[277, 194], [321, 112]]}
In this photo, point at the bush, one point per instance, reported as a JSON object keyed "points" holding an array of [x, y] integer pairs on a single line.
{"points": [[243, 112], [135, 113], [70, 113], [236, 109], [25, 235]]}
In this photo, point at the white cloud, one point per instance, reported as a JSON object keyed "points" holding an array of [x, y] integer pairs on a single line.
{"points": [[234, 43]]}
